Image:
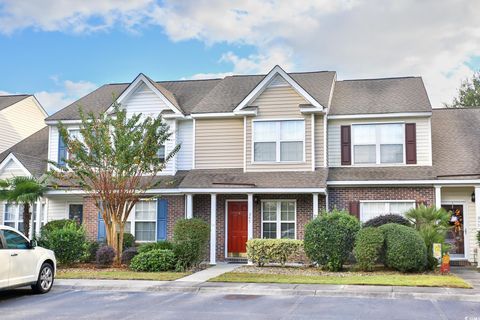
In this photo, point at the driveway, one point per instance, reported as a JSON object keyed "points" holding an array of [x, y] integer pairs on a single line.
{"points": [[85, 304]]}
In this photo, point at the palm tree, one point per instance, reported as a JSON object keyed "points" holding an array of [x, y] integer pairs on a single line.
{"points": [[25, 191]]}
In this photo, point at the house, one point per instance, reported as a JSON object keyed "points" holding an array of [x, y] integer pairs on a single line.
{"points": [[20, 116], [27, 159], [261, 155]]}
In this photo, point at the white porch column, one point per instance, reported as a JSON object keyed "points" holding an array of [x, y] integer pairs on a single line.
{"points": [[189, 206], [477, 216], [315, 205], [213, 228], [438, 197], [37, 217], [250, 216]]}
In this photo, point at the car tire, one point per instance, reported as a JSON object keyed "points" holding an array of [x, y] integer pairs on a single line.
{"points": [[45, 279]]}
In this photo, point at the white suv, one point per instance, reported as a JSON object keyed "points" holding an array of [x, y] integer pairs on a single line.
{"points": [[22, 263]]}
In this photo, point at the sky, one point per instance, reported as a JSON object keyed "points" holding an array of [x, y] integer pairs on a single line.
{"points": [[60, 50]]}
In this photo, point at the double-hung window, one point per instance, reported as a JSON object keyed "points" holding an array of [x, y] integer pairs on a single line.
{"points": [[372, 209], [143, 224], [378, 143], [74, 134], [278, 219], [13, 216], [278, 141]]}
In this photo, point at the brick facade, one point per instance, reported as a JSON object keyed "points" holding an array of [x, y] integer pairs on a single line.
{"points": [[201, 209], [339, 197], [176, 211]]}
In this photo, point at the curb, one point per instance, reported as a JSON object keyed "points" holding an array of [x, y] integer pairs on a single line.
{"points": [[249, 289]]}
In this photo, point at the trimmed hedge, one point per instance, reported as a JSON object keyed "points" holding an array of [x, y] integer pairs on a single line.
{"points": [[329, 239], [160, 245], [153, 261], [368, 247], [264, 251], [404, 248], [190, 238], [67, 239], [387, 218]]}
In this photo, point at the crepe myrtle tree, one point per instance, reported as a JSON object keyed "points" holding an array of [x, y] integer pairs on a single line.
{"points": [[25, 191], [115, 160]]}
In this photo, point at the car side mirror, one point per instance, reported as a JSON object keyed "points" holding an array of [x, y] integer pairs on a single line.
{"points": [[33, 244]]}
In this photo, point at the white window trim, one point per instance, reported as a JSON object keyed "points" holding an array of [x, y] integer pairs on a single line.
{"points": [[277, 141], [17, 216], [132, 219], [278, 221], [377, 145], [387, 205]]}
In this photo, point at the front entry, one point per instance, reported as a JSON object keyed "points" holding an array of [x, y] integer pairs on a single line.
{"points": [[237, 215], [75, 212], [455, 236]]}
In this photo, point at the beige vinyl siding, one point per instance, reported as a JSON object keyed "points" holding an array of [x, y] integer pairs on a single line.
{"points": [[279, 103], [143, 100], [11, 169], [57, 206], [319, 141], [218, 143], [462, 195], [424, 141], [19, 121]]}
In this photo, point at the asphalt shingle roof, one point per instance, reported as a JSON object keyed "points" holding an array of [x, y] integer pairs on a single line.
{"points": [[387, 95], [380, 173], [236, 178], [7, 101], [456, 143], [32, 152]]}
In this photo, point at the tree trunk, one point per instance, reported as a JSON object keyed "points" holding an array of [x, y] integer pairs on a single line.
{"points": [[120, 245], [26, 220]]}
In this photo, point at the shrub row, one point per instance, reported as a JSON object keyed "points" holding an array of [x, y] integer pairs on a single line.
{"points": [[263, 251]]}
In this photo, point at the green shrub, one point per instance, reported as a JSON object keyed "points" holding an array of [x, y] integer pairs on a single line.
{"points": [[478, 237], [153, 261], [387, 218], [404, 248], [128, 254], [105, 256], [67, 240], [160, 245], [263, 251], [91, 251], [432, 225], [329, 239], [368, 247], [190, 238], [128, 240], [55, 224]]}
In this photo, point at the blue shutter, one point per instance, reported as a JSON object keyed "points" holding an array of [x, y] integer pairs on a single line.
{"points": [[102, 233], [62, 151], [162, 215]]}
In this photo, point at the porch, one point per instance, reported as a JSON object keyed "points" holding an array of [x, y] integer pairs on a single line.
{"points": [[464, 202], [235, 217]]}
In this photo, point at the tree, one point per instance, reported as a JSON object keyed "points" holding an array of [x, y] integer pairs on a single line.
{"points": [[25, 191], [115, 160], [468, 93]]}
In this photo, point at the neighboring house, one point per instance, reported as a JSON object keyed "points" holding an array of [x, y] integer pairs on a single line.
{"points": [[20, 116], [262, 155], [28, 159]]}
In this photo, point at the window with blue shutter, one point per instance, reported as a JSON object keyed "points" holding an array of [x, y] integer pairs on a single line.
{"points": [[62, 151], [162, 216]]}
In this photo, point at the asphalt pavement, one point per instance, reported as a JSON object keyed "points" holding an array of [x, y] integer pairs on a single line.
{"points": [[97, 304]]}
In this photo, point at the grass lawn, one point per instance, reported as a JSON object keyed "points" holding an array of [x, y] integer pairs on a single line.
{"points": [[381, 279], [117, 274]]}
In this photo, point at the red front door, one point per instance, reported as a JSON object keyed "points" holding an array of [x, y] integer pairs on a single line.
{"points": [[237, 228]]}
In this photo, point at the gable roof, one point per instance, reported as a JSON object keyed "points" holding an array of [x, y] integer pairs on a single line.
{"points": [[456, 143], [8, 100], [389, 95], [32, 152]]}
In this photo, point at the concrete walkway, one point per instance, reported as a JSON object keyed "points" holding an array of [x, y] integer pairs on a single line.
{"points": [[209, 273]]}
